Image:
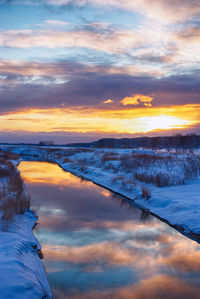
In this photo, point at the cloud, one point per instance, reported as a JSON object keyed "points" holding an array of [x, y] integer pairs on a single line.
{"points": [[156, 287], [161, 10], [152, 47], [189, 34], [137, 99], [109, 101], [12, 69], [112, 42], [185, 262], [171, 11], [149, 48], [159, 286], [90, 88], [56, 23], [107, 252]]}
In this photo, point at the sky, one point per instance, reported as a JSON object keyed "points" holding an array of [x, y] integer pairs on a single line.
{"points": [[80, 70]]}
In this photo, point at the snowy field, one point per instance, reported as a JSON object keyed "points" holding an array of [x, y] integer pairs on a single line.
{"points": [[22, 274], [166, 184]]}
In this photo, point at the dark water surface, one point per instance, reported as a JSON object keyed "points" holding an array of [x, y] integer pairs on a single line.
{"points": [[97, 246]]}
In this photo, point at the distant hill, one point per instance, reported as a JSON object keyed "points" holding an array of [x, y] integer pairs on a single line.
{"points": [[190, 141], [177, 141]]}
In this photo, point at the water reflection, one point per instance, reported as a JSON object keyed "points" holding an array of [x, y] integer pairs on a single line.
{"points": [[97, 246]]}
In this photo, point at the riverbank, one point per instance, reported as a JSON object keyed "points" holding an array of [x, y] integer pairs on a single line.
{"points": [[178, 205], [22, 274], [166, 184]]}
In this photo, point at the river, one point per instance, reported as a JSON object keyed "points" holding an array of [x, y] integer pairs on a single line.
{"points": [[97, 245]]}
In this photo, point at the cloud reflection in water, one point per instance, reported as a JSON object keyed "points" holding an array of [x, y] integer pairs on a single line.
{"points": [[97, 246]]}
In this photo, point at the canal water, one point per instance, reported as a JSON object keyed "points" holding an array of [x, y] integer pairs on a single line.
{"points": [[96, 245]]}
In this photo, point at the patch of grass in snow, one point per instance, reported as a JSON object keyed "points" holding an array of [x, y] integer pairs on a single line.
{"points": [[13, 199], [74, 151], [4, 171], [12, 207], [5, 155], [66, 160], [82, 165], [109, 156], [145, 192], [161, 169], [126, 183], [118, 178]]}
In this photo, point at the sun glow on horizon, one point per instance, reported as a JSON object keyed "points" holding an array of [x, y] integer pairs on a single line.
{"points": [[162, 122], [118, 121]]}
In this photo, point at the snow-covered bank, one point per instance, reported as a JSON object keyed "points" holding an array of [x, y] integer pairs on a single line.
{"points": [[167, 184], [179, 205], [22, 274]]}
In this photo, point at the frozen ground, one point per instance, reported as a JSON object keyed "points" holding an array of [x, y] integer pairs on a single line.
{"points": [[22, 274], [167, 184]]}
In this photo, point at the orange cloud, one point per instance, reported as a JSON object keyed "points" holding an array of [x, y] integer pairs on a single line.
{"points": [[185, 262], [156, 287], [137, 99], [109, 101], [109, 252]]}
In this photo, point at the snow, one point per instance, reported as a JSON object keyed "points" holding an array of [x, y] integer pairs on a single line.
{"points": [[22, 274], [180, 205], [177, 204]]}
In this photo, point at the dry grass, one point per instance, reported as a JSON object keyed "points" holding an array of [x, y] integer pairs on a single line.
{"points": [[126, 183], [14, 200], [66, 160], [12, 207], [15, 184], [5, 155], [137, 160], [161, 169], [145, 192], [82, 164], [4, 171], [118, 178], [74, 151], [109, 156]]}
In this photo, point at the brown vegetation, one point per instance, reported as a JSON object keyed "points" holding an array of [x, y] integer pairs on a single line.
{"points": [[13, 199], [109, 156], [161, 169], [145, 192]]}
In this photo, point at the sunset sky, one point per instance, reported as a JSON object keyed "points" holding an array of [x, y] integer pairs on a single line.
{"points": [[79, 70]]}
